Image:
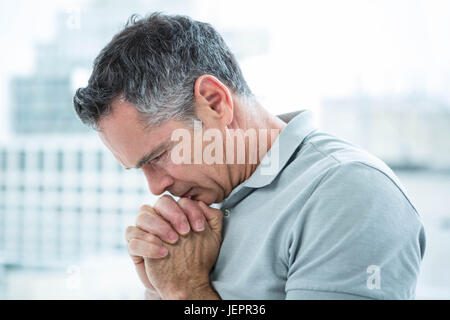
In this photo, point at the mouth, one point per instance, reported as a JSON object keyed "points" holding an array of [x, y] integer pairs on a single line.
{"points": [[187, 194]]}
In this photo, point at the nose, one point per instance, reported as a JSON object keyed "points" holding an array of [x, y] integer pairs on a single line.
{"points": [[157, 179]]}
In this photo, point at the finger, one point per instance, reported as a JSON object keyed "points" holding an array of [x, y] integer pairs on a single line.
{"points": [[133, 232], [193, 212], [142, 274], [151, 294], [149, 221], [130, 234], [136, 259], [167, 208], [143, 248], [213, 216]]}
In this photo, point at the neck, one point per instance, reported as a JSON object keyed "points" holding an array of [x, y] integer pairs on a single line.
{"points": [[254, 117]]}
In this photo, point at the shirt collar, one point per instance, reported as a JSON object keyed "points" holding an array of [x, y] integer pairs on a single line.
{"points": [[288, 141]]}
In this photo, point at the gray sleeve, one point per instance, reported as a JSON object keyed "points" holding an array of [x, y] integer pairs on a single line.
{"points": [[357, 237]]}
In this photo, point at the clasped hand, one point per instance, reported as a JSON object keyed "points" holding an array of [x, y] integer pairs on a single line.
{"points": [[174, 246]]}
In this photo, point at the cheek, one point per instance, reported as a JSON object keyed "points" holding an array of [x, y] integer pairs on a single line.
{"points": [[182, 172], [192, 174]]}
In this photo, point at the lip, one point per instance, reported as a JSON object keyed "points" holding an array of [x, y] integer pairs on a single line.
{"points": [[187, 194]]}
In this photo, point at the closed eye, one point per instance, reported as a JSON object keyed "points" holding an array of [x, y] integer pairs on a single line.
{"points": [[156, 159]]}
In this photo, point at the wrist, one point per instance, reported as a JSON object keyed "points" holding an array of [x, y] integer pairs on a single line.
{"points": [[199, 291], [151, 294]]}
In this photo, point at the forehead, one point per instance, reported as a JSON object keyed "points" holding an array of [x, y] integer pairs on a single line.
{"points": [[124, 135]]}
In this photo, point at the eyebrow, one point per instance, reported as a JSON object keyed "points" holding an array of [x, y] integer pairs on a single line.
{"points": [[149, 156]]}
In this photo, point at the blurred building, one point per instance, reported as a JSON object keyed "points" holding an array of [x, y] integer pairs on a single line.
{"points": [[42, 101], [62, 194], [63, 197], [406, 131], [63, 201]]}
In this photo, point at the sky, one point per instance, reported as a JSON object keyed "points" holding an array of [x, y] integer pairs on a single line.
{"points": [[23, 23]]}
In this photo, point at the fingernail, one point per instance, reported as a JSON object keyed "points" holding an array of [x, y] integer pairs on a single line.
{"points": [[163, 251], [199, 225], [184, 228], [173, 236]]}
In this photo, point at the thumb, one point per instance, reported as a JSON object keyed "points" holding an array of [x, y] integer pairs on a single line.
{"points": [[213, 216]]}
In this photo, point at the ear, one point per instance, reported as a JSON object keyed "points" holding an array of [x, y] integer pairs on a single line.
{"points": [[213, 99]]}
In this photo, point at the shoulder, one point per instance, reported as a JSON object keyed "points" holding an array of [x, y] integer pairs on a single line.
{"points": [[359, 179], [334, 166], [357, 194]]}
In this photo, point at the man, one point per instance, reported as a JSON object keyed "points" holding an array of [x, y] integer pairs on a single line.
{"points": [[314, 217]]}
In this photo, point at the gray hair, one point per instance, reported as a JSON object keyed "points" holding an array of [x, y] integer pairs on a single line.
{"points": [[153, 63]]}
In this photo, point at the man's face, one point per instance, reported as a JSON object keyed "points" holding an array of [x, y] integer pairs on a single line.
{"points": [[149, 149]]}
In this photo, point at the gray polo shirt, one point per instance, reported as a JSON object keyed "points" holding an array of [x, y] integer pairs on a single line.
{"points": [[333, 222]]}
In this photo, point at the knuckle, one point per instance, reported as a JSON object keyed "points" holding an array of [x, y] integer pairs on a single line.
{"points": [[158, 204], [184, 201], [145, 207], [129, 231], [189, 207], [132, 245], [141, 220], [135, 248], [179, 219], [196, 211], [163, 199], [152, 238], [195, 215]]}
